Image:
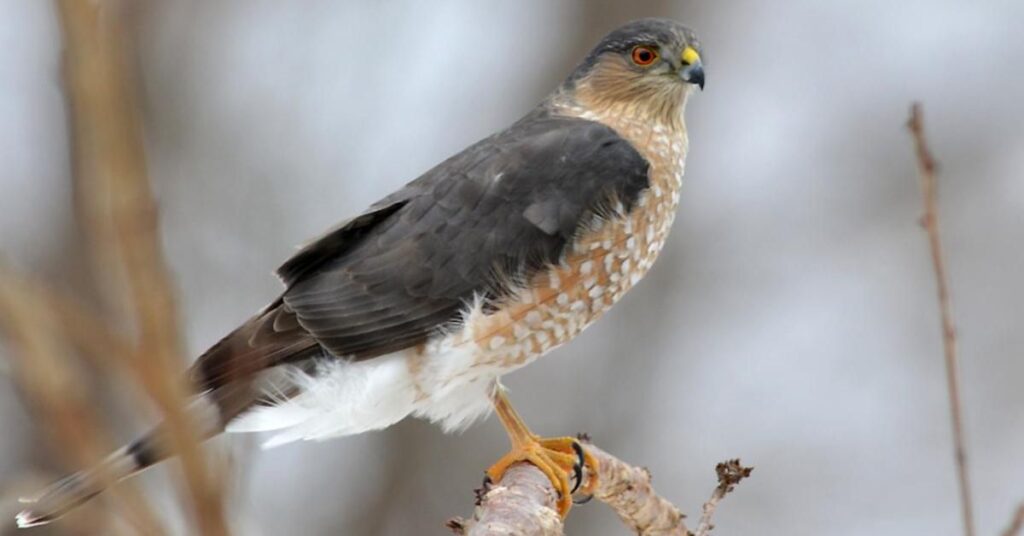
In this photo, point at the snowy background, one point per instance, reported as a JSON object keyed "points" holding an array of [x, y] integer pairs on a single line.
{"points": [[791, 320]]}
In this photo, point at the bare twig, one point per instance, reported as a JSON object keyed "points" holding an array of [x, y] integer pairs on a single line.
{"points": [[523, 503], [117, 208], [930, 221], [1016, 527], [729, 473]]}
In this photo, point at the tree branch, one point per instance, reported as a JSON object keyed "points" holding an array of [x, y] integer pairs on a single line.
{"points": [[628, 491], [523, 502], [729, 473], [930, 221]]}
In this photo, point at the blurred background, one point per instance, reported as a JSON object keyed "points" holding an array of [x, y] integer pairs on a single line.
{"points": [[791, 321]]}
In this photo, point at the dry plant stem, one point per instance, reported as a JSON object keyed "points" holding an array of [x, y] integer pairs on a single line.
{"points": [[930, 221], [116, 205], [51, 382], [80, 325], [1016, 527]]}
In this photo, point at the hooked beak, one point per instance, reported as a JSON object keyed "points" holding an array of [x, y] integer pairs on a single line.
{"points": [[693, 72]]}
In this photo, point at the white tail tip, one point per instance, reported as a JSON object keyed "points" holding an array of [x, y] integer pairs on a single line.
{"points": [[27, 518]]}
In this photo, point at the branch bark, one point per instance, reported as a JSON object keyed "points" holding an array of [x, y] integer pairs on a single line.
{"points": [[730, 473], [523, 502], [628, 491], [930, 221]]}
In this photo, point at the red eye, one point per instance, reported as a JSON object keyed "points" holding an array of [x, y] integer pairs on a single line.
{"points": [[644, 55]]}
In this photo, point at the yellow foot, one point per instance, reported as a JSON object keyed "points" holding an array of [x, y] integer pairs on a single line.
{"points": [[557, 457], [583, 459]]}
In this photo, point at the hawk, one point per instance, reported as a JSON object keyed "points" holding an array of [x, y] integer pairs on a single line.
{"points": [[484, 263]]}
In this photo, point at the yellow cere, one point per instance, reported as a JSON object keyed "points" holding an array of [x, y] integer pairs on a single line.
{"points": [[690, 56]]}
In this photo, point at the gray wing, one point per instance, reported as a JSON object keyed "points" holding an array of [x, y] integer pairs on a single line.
{"points": [[510, 205]]}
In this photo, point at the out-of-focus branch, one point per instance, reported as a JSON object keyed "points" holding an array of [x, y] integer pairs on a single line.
{"points": [[118, 211], [930, 220], [35, 330], [1016, 527], [523, 502]]}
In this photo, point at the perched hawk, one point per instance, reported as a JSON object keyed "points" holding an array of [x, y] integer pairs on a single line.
{"points": [[493, 258]]}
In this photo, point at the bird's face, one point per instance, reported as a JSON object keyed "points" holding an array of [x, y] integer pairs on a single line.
{"points": [[648, 66], [652, 63]]}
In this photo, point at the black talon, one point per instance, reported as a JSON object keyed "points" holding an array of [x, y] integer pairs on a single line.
{"points": [[584, 500], [578, 467], [577, 472], [481, 492]]}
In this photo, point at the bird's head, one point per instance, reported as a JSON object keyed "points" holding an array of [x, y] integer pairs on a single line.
{"points": [[647, 66]]}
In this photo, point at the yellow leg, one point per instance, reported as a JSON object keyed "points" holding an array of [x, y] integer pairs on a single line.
{"points": [[557, 457]]}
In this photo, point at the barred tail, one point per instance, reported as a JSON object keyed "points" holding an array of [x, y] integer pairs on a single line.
{"points": [[71, 491], [225, 397]]}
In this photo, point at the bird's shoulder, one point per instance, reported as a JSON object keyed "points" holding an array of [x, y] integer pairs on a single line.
{"points": [[472, 227], [546, 166]]}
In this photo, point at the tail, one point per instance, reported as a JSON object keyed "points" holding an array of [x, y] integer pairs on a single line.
{"points": [[150, 449], [71, 491], [234, 376]]}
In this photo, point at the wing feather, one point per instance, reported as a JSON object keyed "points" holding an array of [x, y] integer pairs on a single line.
{"points": [[388, 279], [508, 205]]}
